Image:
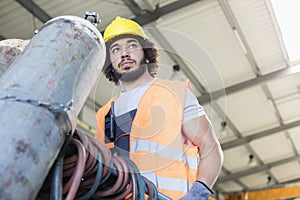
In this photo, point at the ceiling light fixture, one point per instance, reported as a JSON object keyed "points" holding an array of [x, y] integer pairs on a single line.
{"points": [[176, 75], [224, 131], [252, 162], [269, 180]]}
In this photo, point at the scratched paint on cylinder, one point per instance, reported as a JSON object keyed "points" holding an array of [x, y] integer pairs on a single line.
{"points": [[9, 50]]}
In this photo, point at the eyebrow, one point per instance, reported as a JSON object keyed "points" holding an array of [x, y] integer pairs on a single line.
{"points": [[129, 41]]}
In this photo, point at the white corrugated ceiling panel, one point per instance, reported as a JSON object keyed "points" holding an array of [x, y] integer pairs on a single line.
{"points": [[57, 8], [286, 93], [164, 2], [287, 172], [250, 111], [295, 135], [204, 23], [285, 88], [16, 22], [223, 134], [230, 186], [257, 26], [290, 110], [78, 7], [257, 180], [236, 159], [273, 147], [227, 136]]}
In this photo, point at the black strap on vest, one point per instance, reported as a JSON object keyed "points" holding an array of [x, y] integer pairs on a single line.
{"points": [[117, 130]]}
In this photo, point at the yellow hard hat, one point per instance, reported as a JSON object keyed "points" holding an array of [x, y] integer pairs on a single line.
{"points": [[121, 26]]}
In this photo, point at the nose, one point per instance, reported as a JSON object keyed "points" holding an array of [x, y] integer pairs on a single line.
{"points": [[125, 56], [124, 53]]}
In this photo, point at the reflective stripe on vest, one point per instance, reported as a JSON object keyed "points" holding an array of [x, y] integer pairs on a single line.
{"points": [[171, 153], [164, 182], [156, 141]]}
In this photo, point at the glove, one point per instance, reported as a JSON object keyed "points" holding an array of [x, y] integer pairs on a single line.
{"points": [[199, 191]]}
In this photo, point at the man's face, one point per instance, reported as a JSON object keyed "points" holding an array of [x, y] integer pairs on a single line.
{"points": [[126, 56]]}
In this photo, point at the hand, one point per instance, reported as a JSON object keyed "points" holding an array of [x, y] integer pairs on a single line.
{"points": [[199, 191]]}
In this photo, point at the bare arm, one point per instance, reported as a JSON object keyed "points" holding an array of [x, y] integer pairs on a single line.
{"points": [[200, 132]]}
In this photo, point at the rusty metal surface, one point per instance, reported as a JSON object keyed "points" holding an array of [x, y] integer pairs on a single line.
{"points": [[9, 50], [60, 63]]}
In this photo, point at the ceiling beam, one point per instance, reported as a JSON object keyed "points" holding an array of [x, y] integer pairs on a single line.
{"points": [[206, 98], [227, 172], [233, 22], [148, 17], [133, 6], [33, 8], [247, 139], [143, 17], [237, 175]]}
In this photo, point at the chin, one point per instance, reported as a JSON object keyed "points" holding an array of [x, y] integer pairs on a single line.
{"points": [[133, 74]]}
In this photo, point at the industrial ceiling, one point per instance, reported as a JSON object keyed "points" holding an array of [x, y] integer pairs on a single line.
{"points": [[233, 53]]}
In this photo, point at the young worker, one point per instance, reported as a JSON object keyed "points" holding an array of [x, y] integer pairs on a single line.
{"points": [[157, 123]]}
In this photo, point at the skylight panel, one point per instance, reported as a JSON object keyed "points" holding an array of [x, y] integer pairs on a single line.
{"points": [[287, 13]]}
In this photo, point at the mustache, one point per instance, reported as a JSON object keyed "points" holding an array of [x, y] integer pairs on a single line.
{"points": [[126, 59]]}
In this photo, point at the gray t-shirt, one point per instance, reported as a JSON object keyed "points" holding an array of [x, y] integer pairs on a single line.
{"points": [[129, 101]]}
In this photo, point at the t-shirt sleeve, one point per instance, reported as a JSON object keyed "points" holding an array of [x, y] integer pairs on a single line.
{"points": [[192, 108]]}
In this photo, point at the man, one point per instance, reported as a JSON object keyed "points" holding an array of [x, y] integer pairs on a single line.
{"points": [[159, 124]]}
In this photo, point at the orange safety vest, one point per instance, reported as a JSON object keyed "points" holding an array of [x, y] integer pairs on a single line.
{"points": [[157, 146]]}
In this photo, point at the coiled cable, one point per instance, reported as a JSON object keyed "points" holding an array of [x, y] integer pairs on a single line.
{"points": [[90, 171]]}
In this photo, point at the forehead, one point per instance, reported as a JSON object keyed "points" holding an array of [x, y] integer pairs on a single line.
{"points": [[123, 41]]}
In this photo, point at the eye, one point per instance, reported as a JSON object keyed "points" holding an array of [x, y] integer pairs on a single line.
{"points": [[115, 50], [132, 46]]}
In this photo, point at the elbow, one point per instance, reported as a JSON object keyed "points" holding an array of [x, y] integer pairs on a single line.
{"points": [[220, 155]]}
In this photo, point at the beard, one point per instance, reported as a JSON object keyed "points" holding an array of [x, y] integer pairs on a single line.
{"points": [[131, 75]]}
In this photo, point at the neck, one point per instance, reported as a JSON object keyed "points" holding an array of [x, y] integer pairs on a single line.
{"points": [[128, 85]]}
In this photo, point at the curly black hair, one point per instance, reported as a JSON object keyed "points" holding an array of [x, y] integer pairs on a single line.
{"points": [[150, 53]]}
